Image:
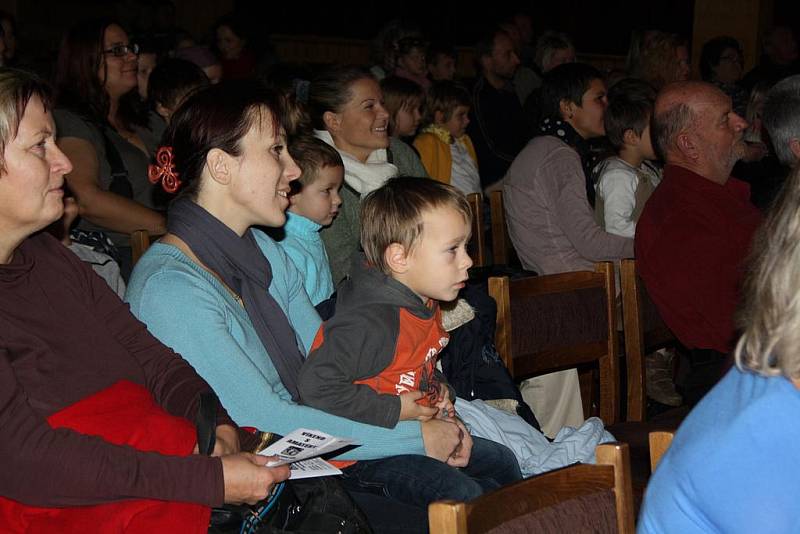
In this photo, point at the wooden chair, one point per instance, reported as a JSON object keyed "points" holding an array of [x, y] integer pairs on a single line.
{"points": [[477, 243], [503, 251], [659, 443], [559, 321], [578, 498], [140, 242], [644, 332]]}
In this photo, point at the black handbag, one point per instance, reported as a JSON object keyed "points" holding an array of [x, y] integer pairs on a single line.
{"points": [[306, 506]]}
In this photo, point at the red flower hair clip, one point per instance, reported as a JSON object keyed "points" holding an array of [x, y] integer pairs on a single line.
{"points": [[164, 170]]}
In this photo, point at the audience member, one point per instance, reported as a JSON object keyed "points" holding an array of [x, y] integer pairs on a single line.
{"points": [[204, 58], [145, 64], [732, 466], [347, 113], [778, 60], [171, 82], [249, 332], [313, 205], [98, 415], [662, 58], [625, 181], [721, 63], [104, 132], [410, 61], [238, 61], [697, 227], [444, 146], [498, 127], [403, 99], [549, 217], [553, 49], [781, 115], [442, 60]]}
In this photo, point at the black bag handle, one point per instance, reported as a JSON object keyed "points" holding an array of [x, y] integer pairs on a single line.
{"points": [[206, 423]]}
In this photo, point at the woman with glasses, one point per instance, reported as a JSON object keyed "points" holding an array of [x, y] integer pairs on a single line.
{"points": [[106, 134], [721, 63]]}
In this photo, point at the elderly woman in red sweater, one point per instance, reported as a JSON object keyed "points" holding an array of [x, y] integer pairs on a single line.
{"points": [[95, 412]]}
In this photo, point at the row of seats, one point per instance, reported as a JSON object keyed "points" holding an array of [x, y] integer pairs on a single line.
{"points": [[578, 498]]}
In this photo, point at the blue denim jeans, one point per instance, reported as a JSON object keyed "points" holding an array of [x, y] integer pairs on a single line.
{"points": [[419, 480]]}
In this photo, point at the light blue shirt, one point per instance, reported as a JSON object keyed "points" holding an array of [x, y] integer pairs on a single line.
{"points": [[734, 465], [189, 310], [304, 247]]}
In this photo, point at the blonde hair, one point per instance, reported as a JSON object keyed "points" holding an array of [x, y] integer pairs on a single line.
{"points": [[770, 313], [17, 87], [393, 214], [658, 62]]}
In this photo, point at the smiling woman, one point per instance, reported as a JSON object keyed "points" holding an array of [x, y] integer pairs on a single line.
{"points": [[347, 111], [105, 135]]}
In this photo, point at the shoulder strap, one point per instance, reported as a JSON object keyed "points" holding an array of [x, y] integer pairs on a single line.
{"points": [[120, 181]]}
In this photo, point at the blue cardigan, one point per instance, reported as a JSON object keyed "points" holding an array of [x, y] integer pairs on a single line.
{"points": [[189, 310]]}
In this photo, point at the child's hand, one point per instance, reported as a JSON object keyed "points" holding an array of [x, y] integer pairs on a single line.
{"points": [[409, 409], [445, 406]]}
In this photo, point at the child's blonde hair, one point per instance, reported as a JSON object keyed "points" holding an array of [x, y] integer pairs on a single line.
{"points": [[445, 96], [393, 214]]}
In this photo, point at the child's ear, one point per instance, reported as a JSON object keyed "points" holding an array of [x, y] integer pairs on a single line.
{"points": [[630, 137], [220, 165], [438, 117], [396, 258]]}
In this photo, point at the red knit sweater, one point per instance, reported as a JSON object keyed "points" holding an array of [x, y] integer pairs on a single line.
{"points": [[691, 243]]}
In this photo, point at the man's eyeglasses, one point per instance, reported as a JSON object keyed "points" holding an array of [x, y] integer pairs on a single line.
{"points": [[122, 50]]}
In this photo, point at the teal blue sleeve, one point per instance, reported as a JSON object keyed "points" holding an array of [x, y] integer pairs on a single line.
{"points": [[189, 314]]}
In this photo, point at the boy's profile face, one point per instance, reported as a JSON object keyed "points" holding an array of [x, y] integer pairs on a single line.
{"points": [[646, 144], [436, 266], [320, 200], [457, 125]]}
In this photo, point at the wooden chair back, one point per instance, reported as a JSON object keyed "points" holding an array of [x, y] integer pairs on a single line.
{"points": [[559, 321], [503, 252], [140, 242], [477, 243], [567, 500], [644, 332], [659, 443]]}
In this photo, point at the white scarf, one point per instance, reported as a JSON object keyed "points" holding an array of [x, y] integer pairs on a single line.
{"points": [[363, 177]]}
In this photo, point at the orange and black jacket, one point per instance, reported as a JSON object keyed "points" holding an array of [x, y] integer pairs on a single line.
{"points": [[382, 341]]}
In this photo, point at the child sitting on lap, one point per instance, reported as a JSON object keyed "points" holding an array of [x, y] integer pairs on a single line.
{"points": [[375, 360], [312, 207], [626, 180]]}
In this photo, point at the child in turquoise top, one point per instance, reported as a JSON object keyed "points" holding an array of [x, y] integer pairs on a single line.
{"points": [[314, 205]]}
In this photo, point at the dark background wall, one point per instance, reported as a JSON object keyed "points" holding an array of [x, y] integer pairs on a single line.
{"points": [[598, 27]]}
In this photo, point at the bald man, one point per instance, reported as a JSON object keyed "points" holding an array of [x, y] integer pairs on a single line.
{"points": [[696, 229]]}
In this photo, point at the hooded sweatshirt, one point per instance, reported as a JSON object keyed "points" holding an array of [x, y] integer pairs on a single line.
{"points": [[382, 341]]}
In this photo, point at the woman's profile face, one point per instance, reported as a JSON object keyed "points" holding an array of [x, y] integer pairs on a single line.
{"points": [[587, 119], [361, 126], [230, 45], [31, 185], [259, 186], [117, 74]]}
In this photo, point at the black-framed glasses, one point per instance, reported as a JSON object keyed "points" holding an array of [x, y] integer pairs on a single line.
{"points": [[122, 50]]}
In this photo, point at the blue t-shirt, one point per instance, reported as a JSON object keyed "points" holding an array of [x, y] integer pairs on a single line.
{"points": [[734, 465]]}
